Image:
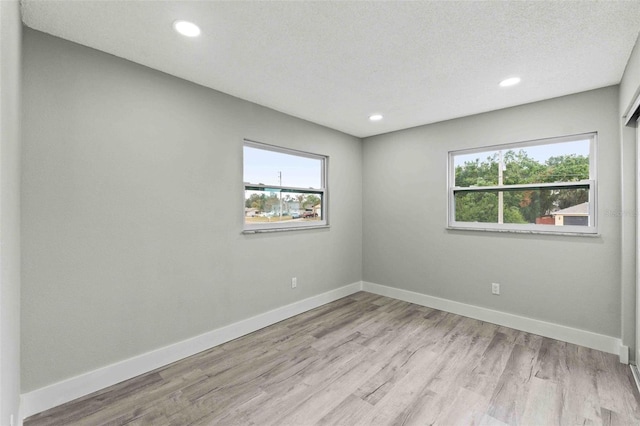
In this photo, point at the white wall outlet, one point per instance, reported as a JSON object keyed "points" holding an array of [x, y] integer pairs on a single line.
{"points": [[495, 288], [294, 282]]}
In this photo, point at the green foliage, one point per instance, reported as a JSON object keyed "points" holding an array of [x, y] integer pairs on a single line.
{"points": [[519, 206], [262, 202], [255, 201], [483, 207], [477, 173], [310, 201]]}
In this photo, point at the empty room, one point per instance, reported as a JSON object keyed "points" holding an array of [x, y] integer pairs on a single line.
{"points": [[319, 212]]}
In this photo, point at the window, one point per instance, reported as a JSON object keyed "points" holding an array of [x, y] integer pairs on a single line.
{"points": [[283, 189], [536, 186]]}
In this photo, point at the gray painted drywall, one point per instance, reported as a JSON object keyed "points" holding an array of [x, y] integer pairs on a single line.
{"points": [[628, 255], [630, 83], [629, 91], [132, 212], [10, 72], [573, 281]]}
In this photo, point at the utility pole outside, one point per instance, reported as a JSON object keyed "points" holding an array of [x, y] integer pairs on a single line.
{"points": [[280, 192], [500, 193]]}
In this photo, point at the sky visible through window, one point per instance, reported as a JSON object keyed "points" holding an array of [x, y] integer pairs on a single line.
{"points": [[540, 153], [264, 167]]}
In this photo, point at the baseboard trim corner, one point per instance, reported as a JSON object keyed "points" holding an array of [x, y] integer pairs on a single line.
{"points": [[624, 354], [67, 390], [576, 336]]}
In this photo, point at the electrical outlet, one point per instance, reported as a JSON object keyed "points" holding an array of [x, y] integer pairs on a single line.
{"points": [[495, 288], [294, 282]]}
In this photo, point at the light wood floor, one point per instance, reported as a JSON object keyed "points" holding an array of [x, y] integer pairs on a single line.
{"points": [[371, 360]]}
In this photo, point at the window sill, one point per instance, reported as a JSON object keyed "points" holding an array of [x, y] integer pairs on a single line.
{"points": [[525, 231], [293, 228]]}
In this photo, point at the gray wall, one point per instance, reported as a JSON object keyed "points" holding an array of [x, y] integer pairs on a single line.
{"points": [[132, 212], [630, 83], [10, 69], [629, 91], [573, 281], [627, 217]]}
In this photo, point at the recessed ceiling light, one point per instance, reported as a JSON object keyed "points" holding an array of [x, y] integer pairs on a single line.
{"points": [[375, 117], [510, 82], [188, 29]]}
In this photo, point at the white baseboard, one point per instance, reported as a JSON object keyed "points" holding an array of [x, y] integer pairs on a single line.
{"points": [[624, 354], [591, 340], [67, 390]]}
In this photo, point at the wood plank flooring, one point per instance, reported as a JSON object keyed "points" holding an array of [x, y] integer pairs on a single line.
{"points": [[371, 360]]}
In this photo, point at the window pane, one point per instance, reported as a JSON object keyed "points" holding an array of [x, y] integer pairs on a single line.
{"points": [[565, 206], [548, 163], [477, 207], [267, 167], [273, 206]]}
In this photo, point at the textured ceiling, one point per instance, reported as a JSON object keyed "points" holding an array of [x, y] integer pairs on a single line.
{"points": [[335, 63]]}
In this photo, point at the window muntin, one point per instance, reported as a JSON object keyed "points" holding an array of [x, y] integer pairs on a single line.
{"points": [[283, 188], [536, 186]]}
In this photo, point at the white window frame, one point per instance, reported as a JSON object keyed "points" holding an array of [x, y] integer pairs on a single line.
{"points": [[591, 184], [288, 226]]}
